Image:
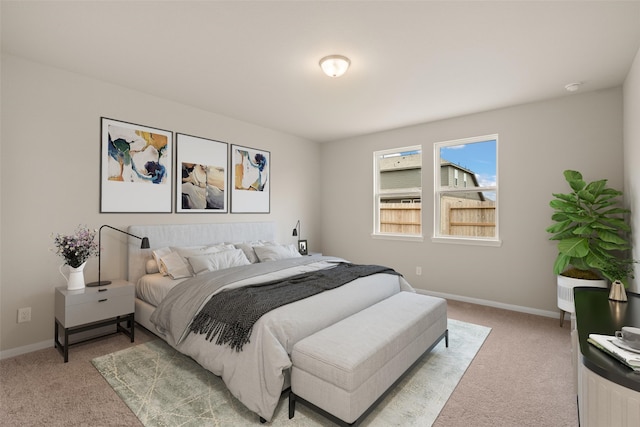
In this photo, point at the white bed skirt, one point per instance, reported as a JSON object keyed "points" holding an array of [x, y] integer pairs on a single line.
{"points": [[143, 313]]}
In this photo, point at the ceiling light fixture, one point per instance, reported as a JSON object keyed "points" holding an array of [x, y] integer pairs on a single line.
{"points": [[334, 65], [573, 87]]}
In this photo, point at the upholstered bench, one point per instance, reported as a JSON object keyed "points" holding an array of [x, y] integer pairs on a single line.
{"points": [[346, 369]]}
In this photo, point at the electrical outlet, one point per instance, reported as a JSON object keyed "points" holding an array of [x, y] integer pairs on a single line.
{"points": [[24, 314], [418, 271]]}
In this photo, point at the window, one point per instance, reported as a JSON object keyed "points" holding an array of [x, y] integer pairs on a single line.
{"points": [[467, 213], [397, 191]]}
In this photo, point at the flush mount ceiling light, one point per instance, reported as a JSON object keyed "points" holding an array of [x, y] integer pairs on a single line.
{"points": [[573, 87], [334, 65]]}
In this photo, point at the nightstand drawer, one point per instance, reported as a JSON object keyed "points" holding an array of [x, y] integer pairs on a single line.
{"points": [[93, 311], [89, 305], [86, 295]]}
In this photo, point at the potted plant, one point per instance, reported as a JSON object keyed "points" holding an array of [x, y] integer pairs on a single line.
{"points": [[76, 249], [592, 236]]}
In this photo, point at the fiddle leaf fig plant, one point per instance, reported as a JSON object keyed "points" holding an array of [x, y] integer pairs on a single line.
{"points": [[590, 228]]}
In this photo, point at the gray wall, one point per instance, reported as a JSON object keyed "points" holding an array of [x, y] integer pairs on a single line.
{"points": [[50, 182], [538, 141]]}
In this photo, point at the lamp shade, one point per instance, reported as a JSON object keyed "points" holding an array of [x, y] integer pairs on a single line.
{"points": [[143, 245], [335, 65]]}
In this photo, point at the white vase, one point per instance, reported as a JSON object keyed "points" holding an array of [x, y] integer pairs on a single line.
{"points": [[617, 292], [75, 280]]}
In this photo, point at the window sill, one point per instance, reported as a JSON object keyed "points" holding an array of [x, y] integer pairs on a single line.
{"points": [[467, 241], [404, 237]]}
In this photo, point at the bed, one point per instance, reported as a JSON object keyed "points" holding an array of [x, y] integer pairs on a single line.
{"points": [[258, 373]]}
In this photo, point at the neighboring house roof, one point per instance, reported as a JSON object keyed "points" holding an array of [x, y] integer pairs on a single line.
{"points": [[400, 168], [463, 169]]}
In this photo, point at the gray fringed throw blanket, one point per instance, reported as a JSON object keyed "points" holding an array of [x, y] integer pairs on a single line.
{"points": [[230, 315]]}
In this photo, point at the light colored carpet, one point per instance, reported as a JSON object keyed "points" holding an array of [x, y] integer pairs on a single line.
{"points": [[163, 387]]}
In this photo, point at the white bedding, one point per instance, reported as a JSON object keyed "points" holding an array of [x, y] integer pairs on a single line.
{"points": [[152, 288], [257, 374]]}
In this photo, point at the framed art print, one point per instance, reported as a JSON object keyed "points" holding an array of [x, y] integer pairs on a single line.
{"points": [[302, 247], [201, 177], [135, 168], [250, 180]]}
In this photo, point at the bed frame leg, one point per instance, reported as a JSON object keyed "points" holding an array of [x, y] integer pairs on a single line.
{"points": [[262, 420], [292, 404], [446, 338]]}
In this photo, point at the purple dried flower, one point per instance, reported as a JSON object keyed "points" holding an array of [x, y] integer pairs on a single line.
{"points": [[77, 248]]}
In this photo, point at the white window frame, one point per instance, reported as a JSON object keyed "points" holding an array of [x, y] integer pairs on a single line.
{"points": [[378, 193], [466, 240]]}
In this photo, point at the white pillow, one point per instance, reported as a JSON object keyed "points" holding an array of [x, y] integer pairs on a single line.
{"points": [[151, 267], [221, 247], [159, 253], [247, 248], [218, 261], [175, 266], [187, 251], [276, 252]]}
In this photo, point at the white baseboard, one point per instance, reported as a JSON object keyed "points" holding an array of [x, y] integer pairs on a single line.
{"points": [[519, 308], [12, 352], [94, 333]]}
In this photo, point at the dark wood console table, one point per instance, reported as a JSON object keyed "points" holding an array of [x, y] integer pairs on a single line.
{"points": [[608, 391]]}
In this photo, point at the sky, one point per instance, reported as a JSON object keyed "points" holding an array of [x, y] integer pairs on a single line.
{"points": [[479, 158]]}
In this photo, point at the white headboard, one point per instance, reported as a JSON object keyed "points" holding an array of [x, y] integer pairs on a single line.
{"points": [[188, 235]]}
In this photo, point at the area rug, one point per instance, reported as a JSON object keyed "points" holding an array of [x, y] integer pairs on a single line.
{"points": [[164, 388]]}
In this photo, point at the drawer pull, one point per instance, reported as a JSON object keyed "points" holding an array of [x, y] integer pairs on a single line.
{"points": [[102, 300], [103, 290]]}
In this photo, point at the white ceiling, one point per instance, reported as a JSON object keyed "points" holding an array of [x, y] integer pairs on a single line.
{"points": [[257, 61]]}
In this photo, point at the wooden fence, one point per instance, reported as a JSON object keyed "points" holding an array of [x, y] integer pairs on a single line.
{"points": [[401, 218], [465, 217], [458, 217]]}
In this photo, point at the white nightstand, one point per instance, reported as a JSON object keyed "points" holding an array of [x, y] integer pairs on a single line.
{"points": [[90, 308]]}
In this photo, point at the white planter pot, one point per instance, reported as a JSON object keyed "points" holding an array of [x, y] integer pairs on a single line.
{"points": [[565, 290]]}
